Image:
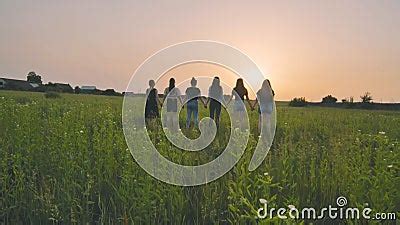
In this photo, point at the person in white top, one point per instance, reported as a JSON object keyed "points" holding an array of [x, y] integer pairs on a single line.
{"points": [[265, 100], [172, 95]]}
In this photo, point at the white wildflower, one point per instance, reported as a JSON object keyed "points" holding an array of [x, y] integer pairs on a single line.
{"points": [[263, 201], [390, 166], [382, 132]]}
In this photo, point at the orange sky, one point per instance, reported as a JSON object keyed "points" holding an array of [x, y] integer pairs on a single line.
{"points": [[306, 48]]}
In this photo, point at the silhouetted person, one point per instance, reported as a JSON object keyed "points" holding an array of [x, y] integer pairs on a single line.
{"points": [[172, 95], [152, 101], [265, 100], [240, 93], [215, 97], [192, 95]]}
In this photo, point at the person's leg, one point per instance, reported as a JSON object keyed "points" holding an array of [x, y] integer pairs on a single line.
{"points": [[218, 113], [212, 110], [188, 116], [242, 114], [196, 115], [168, 120], [174, 121]]}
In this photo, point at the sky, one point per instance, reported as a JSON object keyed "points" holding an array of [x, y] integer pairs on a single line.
{"points": [[306, 48]]}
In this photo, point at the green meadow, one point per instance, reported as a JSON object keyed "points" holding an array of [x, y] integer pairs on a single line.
{"points": [[65, 160]]}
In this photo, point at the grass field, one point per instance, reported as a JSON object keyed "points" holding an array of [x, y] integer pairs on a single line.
{"points": [[65, 160]]}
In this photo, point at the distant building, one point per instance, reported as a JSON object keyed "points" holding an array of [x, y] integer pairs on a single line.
{"points": [[128, 93], [88, 89], [17, 85]]}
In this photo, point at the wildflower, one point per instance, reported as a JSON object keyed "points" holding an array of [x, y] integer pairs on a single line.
{"points": [[390, 166], [263, 201], [359, 130], [291, 206], [382, 132], [266, 174], [81, 131]]}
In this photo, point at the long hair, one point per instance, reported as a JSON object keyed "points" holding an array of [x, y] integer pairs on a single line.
{"points": [[239, 88], [215, 82], [267, 85], [215, 85], [193, 82], [171, 84]]}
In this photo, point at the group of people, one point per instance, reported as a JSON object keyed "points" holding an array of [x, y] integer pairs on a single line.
{"points": [[265, 98]]}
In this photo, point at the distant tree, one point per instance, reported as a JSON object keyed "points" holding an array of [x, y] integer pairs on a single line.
{"points": [[111, 92], [77, 90], [298, 102], [366, 98], [34, 78], [329, 99]]}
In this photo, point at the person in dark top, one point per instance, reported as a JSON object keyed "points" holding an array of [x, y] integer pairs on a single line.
{"points": [[215, 98], [152, 101], [240, 93]]}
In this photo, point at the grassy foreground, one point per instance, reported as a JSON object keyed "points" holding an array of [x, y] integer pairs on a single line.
{"points": [[65, 160]]}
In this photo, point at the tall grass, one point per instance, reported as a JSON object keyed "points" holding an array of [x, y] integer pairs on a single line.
{"points": [[65, 160]]}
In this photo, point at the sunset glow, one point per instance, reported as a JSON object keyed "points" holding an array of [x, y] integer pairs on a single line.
{"points": [[343, 48]]}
